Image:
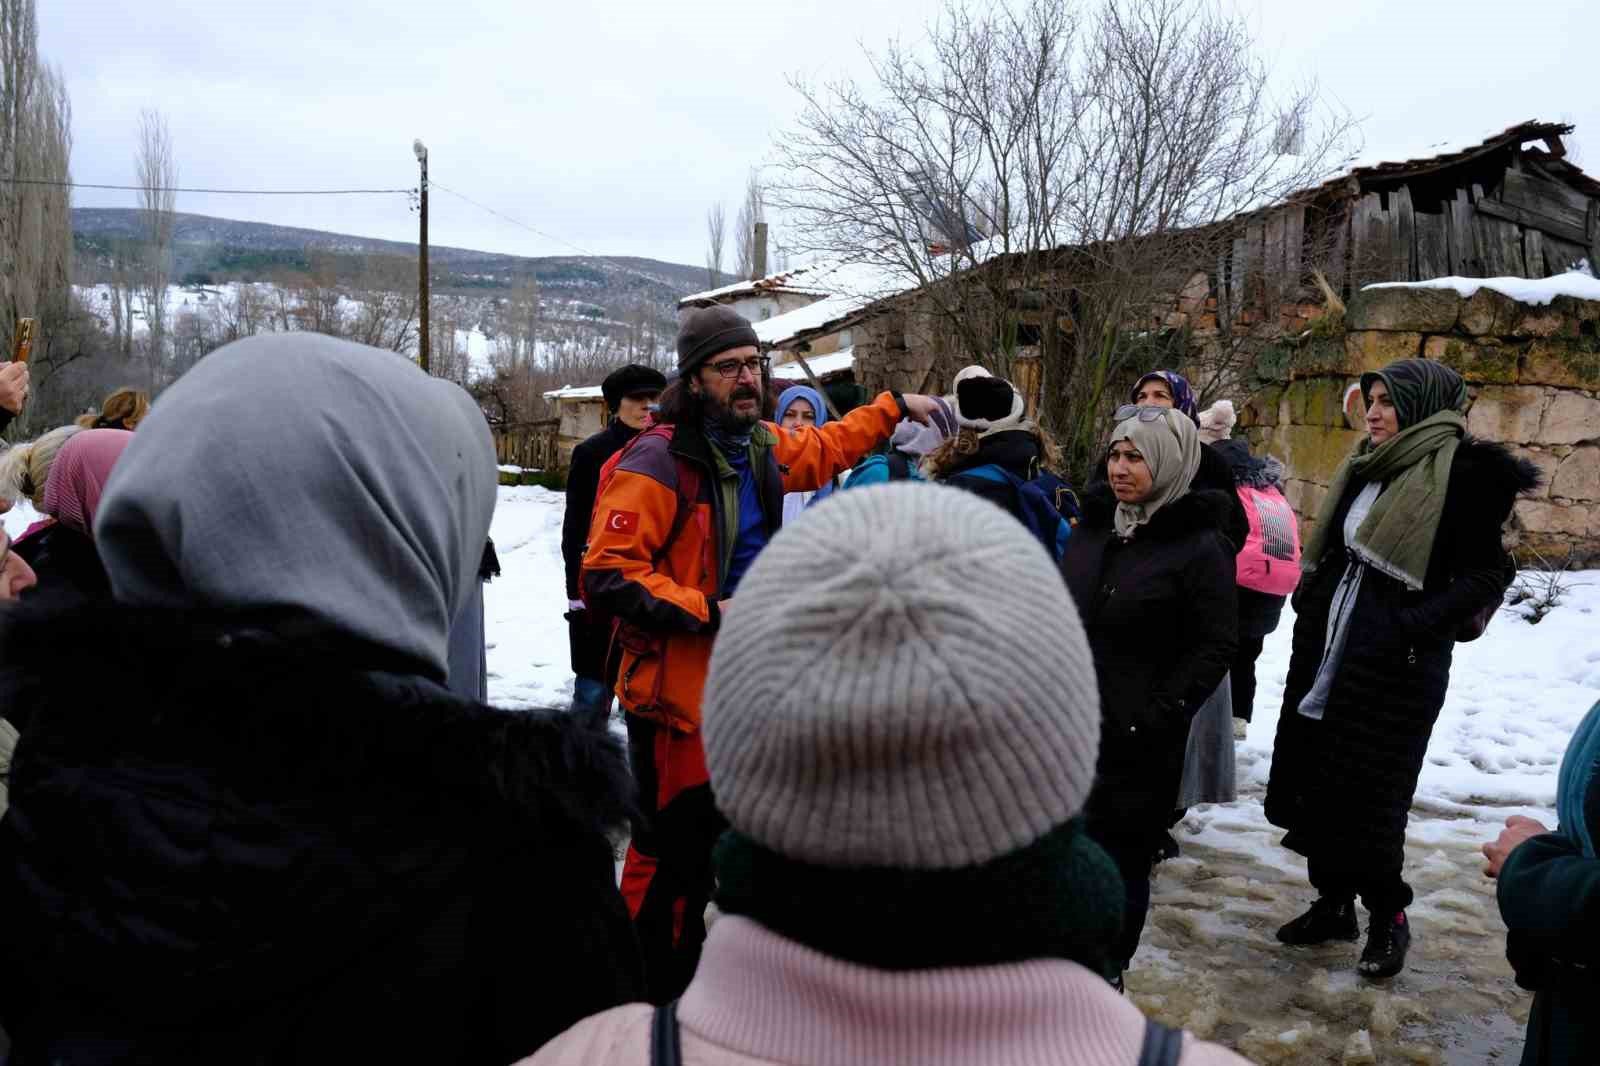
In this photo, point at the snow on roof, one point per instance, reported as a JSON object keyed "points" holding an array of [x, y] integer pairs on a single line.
{"points": [[802, 280], [821, 365], [1576, 284], [852, 287], [576, 392]]}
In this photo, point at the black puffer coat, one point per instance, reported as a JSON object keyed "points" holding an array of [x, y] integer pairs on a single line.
{"points": [[248, 842], [1159, 613], [1015, 451], [1343, 785]]}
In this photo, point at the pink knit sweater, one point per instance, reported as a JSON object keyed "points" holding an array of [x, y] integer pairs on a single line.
{"points": [[759, 998]]}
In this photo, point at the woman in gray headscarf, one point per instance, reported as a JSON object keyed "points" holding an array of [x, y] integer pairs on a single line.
{"points": [[284, 839], [1152, 574]]}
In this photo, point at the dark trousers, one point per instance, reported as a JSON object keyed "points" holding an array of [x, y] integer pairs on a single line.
{"points": [[1379, 883], [1258, 617], [1133, 856], [667, 876]]}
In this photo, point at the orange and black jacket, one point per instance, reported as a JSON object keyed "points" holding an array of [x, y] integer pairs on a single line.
{"points": [[660, 570]]}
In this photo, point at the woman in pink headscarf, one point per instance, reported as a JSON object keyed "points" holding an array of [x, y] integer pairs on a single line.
{"points": [[62, 554]]}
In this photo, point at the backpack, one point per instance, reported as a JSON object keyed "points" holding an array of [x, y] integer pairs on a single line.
{"points": [[900, 466], [1046, 504], [1269, 562]]}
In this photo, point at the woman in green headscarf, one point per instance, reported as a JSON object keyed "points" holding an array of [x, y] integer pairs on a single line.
{"points": [[1405, 550]]}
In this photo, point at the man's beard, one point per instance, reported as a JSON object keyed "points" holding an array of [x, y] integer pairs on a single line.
{"points": [[727, 417]]}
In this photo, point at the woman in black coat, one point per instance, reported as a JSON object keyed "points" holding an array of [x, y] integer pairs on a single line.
{"points": [[1152, 575], [1400, 566], [283, 840]]}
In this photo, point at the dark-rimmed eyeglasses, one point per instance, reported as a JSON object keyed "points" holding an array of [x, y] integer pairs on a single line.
{"points": [[730, 368], [1142, 411]]}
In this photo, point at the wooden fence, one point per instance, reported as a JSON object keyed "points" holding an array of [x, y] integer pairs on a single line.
{"points": [[530, 445]]}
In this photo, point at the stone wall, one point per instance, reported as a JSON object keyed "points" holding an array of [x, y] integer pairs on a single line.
{"points": [[1533, 373]]}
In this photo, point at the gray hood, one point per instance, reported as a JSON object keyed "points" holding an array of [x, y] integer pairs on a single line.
{"points": [[295, 470]]}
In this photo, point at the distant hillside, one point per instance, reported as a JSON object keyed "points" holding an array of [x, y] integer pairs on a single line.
{"points": [[215, 249]]}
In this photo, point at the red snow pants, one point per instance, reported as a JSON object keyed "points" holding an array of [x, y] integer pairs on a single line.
{"points": [[667, 877]]}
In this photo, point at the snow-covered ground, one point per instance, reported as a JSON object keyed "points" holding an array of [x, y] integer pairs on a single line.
{"points": [[1209, 959]]}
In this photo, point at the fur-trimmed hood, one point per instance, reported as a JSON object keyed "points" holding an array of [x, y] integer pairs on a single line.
{"points": [[1495, 469], [292, 708]]}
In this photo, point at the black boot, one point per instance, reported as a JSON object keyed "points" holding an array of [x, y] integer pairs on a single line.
{"points": [[1388, 940], [1328, 919]]}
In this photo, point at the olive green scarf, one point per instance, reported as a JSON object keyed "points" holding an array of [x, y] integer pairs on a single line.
{"points": [[1398, 534]]}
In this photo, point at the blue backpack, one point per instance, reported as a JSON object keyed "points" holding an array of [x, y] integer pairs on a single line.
{"points": [[1046, 504]]}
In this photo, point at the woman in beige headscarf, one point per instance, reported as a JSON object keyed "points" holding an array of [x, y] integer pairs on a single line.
{"points": [[1152, 574]]}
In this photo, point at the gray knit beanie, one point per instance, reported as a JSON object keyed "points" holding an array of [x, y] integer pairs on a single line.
{"points": [[901, 682]]}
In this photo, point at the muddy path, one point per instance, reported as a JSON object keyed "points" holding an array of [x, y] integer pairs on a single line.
{"points": [[1211, 963]]}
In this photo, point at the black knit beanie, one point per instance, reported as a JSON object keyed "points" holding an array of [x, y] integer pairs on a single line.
{"points": [[985, 397], [630, 381], [709, 331]]}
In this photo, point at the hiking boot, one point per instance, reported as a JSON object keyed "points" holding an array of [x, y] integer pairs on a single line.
{"points": [[1328, 919], [1388, 940]]}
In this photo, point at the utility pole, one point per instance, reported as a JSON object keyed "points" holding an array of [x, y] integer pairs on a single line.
{"points": [[758, 258], [422, 257]]}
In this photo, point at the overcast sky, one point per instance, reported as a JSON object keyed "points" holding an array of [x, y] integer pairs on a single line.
{"points": [[613, 126]]}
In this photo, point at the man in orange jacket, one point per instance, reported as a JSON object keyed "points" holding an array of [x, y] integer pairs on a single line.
{"points": [[687, 508]]}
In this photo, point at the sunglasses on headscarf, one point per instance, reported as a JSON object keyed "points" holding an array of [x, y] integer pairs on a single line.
{"points": [[1143, 412]]}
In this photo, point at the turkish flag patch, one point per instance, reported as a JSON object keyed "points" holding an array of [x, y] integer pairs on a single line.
{"points": [[622, 522]]}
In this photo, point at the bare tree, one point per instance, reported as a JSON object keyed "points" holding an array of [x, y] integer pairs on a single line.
{"points": [[156, 174], [387, 304], [35, 223], [1047, 177], [716, 233], [751, 211]]}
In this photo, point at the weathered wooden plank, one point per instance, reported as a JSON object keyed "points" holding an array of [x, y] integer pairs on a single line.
{"points": [[1523, 217], [1464, 260], [1402, 235], [1272, 264], [1560, 256], [1255, 235], [1533, 252], [1433, 245], [1510, 239], [1539, 194], [1238, 275], [1369, 233], [1333, 247], [1294, 240]]}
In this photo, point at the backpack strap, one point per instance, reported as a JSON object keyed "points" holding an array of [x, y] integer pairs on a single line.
{"points": [[994, 473], [666, 1042], [1162, 1045]]}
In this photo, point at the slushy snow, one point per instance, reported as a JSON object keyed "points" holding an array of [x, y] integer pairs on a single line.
{"points": [[1209, 960]]}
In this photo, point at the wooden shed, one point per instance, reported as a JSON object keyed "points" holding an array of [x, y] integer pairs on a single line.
{"points": [[1511, 205]]}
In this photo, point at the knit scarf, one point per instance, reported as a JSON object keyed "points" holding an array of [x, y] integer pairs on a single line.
{"points": [[733, 446], [1397, 536], [1060, 897]]}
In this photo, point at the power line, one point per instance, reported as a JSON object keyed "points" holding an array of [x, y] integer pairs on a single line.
{"points": [[517, 222], [219, 192]]}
